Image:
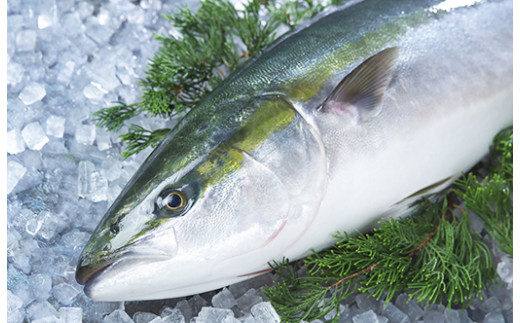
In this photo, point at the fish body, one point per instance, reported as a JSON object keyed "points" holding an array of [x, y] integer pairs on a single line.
{"points": [[333, 127]]}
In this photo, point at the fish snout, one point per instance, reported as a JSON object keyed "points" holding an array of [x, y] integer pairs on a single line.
{"points": [[88, 268]]}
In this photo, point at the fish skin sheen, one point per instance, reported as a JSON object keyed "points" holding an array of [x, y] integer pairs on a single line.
{"points": [[348, 119]]}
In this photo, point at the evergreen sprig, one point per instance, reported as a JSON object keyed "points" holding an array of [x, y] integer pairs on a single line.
{"points": [[434, 255], [429, 256], [139, 138], [293, 13], [213, 42], [490, 197]]}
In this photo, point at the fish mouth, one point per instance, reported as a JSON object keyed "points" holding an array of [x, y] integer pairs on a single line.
{"points": [[87, 269], [152, 247], [87, 273]]}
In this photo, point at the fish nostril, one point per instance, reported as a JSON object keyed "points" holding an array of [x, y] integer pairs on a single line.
{"points": [[114, 228], [107, 246]]}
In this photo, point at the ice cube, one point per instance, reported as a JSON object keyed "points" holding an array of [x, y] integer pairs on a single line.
{"points": [[103, 74], [39, 310], [71, 23], [94, 91], [34, 136], [159, 319], [33, 225], [451, 316], [32, 159], [46, 20], [490, 304], [366, 303], [196, 303], [99, 187], [50, 226], [96, 311], [173, 316], [71, 315], [18, 284], [73, 241], [394, 314], [65, 72], [15, 22], [15, 143], [113, 192], [494, 317], [118, 316], [12, 235], [382, 319], [409, 307], [250, 319], [32, 93], [127, 77], [366, 317], [214, 315], [143, 317], [15, 172], [55, 126], [103, 141], [25, 40], [85, 134], [15, 73], [332, 314], [265, 313], [41, 285], [47, 13], [14, 304], [105, 17], [505, 269], [20, 254], [433, 316], [223, 299], [185, 308], [47, 319], [65, 293], [250, 298], [97, 32], [154, 5]]}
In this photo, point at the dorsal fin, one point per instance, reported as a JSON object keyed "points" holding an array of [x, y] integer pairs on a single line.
{"points": [[364, 87]]}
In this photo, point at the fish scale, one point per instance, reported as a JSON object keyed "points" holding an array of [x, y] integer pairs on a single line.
{"points": [[346, 120]]}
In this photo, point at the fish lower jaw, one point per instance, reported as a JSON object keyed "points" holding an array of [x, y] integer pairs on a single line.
{"points": [[134, 279], [140, 292]]}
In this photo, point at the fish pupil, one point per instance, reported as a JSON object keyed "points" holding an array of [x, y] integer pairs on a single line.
{"points": [[173, 201]]}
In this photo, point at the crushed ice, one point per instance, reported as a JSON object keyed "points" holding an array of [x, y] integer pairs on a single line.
{"points": [[66, 60]]}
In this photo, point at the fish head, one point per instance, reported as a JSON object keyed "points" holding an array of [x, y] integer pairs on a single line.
{"points": [[209, 207]]}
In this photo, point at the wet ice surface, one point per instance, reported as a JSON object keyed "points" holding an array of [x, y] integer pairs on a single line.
{"points": [[66, 60]]}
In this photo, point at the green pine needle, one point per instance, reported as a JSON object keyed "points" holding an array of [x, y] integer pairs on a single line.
{"points": [[139, 138], [113, 118], [215, 41]]}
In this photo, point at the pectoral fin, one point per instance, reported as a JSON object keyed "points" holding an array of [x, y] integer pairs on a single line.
{"points": [[361, 92]]}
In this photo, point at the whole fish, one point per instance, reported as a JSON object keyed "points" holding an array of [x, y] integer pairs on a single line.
{"points": [[342, 122]]}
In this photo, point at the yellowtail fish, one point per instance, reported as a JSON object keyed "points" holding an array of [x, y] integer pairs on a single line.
{"points": [[333, 127]]}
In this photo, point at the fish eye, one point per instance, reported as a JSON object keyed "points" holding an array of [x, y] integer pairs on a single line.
{"points": [[172, 202]]}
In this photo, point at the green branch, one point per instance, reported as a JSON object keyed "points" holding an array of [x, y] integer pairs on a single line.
{"points": [[139, 138], [215, 41]]}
